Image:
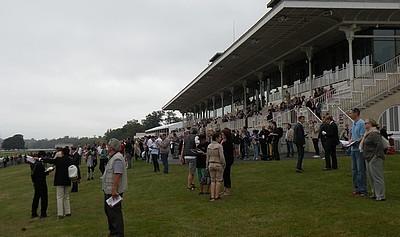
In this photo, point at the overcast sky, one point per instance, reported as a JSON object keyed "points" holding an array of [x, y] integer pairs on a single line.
{"points": [[79, 67]]}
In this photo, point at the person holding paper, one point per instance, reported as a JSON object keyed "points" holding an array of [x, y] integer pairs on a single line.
{"points": [[332, 140], [38, 176], [114, 184], [358, 162]]}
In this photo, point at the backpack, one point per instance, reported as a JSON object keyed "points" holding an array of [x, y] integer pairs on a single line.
{"points": [[73, 172]]}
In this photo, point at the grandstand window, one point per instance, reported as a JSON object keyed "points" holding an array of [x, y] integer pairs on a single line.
{"points": [[390, 119]]}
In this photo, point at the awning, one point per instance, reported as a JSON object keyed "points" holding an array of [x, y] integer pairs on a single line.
{"points": [[280, 35]]}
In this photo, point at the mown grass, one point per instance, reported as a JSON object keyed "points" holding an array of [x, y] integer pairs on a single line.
{"points": [[269, 199]]}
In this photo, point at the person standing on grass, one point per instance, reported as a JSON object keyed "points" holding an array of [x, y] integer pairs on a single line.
{"points": [[201, 165], [114, 184], [332, 140], [103, 158], [315, 138], [38, 176], [216, 165], [276, 135], [164, 151], [154, 152], [300, 141], [374, 153], [62, 182], [227, 145], [90, 160], [129, 152], [263, 143], [75, 161], [289, 140], [255, 141], [357, 159], [189, 156]]}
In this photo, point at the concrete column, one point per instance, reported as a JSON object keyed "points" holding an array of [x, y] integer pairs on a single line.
{"points": [[309, 54], [244, 84], [232, 98], [260, 76], [349, 32], [222, 103], [281, 65], [214, 109], [268, 90]]}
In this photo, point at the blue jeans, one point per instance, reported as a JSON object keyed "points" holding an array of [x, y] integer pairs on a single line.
{"points": [[290, 149], [164, 160], [358, 172], [256, 151]]}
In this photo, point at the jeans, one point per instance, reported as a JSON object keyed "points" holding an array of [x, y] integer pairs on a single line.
{"points": [[290, 148], [358, 172], [300, 156], [244, 149], [114, 217], [128, 157], [164, 160], [256, 151], [156, 166]]}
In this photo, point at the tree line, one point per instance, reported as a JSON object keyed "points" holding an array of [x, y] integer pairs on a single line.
{"points": [[154, 119]]}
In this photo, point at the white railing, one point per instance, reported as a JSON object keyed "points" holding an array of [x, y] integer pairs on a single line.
{"points": [[372, 85]]}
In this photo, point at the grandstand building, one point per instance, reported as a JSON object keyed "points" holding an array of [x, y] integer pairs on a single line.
{"points": [[349, 47]]}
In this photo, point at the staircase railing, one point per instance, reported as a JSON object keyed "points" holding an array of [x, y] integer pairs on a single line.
{"points": [[370, 85]]}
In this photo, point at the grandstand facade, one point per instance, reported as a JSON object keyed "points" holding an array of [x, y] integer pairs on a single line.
{"points": [[349, 47]]}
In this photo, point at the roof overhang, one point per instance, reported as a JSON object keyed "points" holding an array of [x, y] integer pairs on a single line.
{"points": [[279, 35]]}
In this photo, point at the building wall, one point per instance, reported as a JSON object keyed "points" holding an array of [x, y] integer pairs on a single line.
{"points": [[376, 110]]}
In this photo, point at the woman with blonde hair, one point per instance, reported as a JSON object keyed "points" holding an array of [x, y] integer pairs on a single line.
{"points": [[373, 151], [216, 165]]}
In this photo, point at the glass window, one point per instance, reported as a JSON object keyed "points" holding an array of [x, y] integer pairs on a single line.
{"points": [[384, 48]]}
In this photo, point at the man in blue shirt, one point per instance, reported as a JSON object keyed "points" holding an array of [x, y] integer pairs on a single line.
{"points": [[358, 162]]}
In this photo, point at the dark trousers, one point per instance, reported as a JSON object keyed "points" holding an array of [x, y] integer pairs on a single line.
{"points": [[114, 218], [316, 147], [264, 150], [227, 176], [330, 157], [164, 160], [154, 158], [300, 156], [40, 194], [290, 148], [244, 149], [275, 151], [74, 188], [102, 166]]}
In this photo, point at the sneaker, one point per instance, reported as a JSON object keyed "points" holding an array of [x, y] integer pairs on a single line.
{"points": [[316, 156], [34, 216], [299, 171], [380, 199]]}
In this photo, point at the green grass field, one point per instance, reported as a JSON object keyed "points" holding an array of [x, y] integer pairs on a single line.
{"points": [[269, 199]]}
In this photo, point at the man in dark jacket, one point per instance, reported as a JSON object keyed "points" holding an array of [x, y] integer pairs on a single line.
{"points": [[300, 141], [38, 176], [75, 161], [332, 140]]}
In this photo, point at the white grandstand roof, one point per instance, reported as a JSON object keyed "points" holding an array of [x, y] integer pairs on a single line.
{"points": [[172, 126], [279, 35]]}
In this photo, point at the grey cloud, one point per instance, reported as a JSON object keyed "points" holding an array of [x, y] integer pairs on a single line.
{"points": [[78, 68]]}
